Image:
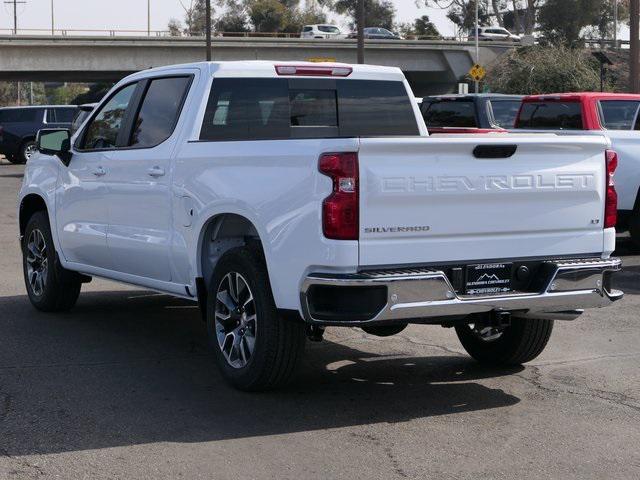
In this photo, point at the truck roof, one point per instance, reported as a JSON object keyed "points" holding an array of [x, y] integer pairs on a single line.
{"points": [[575, 96], [267, 68]]}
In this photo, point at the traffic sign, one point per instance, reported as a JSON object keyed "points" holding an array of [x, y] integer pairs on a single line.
{"points": [[477, 72]]}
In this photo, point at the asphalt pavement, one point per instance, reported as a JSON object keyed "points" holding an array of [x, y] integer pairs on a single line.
{"points": [[124, 387]]}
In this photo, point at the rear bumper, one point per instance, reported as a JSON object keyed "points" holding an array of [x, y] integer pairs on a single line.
{"points": [[426, 296]]}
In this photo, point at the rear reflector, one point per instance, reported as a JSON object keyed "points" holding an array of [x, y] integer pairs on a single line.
{"points": [[340, 210], [311, 71], [611, 199]]}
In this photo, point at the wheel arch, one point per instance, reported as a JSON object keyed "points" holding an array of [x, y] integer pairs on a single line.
{"points": [[30, 204], [219, 234]]}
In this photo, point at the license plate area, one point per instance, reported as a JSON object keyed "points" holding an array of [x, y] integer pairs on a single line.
{"points": [[487, 278]]}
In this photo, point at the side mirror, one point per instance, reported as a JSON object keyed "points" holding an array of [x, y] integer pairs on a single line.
{"points": [[55, 141]]}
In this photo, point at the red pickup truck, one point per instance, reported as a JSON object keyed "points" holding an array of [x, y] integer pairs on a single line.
{"points": [[614, 115]]}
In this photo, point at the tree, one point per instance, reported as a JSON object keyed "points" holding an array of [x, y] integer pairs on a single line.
{"points": [[422, 27], [536, 70], [234, 18], [95, 93], [65, 94], [195, 17], [268, 15], [378, 13]]}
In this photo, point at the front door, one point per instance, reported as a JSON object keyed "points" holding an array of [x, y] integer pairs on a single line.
{"points": [[82, 215]]}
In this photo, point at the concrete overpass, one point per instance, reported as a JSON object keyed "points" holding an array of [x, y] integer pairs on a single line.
{"points": [[431, 66]]}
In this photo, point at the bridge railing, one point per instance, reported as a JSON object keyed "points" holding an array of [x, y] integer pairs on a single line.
{"points": [[66, 32]]}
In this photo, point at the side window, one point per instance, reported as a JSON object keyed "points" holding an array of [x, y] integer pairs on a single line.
{"points": [[51, 115], [159, 112], [65, 115], [247, 109], [618, 114], [103, 130]]}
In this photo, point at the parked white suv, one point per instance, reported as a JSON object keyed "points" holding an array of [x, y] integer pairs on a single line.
{"points": [[322, 31], [287, 197]]}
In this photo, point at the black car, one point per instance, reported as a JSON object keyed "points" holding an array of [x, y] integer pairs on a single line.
{"points": [[376, 33], [19, 127], [470, 113]]}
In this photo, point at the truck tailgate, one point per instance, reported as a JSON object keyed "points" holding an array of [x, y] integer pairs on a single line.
{"points": [[430, 200]]}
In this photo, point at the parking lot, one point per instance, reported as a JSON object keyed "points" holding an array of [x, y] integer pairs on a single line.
{"points": [[124, 387]]}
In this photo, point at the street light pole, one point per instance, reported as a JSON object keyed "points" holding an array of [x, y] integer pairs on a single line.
{"points": [[634, 54], [53, 20], [477, 40], [208, 27], [148, 18], [360, 25]]}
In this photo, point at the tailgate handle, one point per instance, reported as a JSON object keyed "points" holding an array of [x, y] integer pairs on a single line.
{"points": [[494, 151]]}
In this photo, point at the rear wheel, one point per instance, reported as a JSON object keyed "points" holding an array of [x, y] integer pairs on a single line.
{"points": [[50, 287], [255, 348], [13, 159], [520, 342]]}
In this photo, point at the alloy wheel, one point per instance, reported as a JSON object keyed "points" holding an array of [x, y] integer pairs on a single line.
{"points": [[235, 320], [37, 262]]}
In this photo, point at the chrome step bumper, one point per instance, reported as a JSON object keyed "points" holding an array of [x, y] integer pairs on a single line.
{"points": [[421, 294]]}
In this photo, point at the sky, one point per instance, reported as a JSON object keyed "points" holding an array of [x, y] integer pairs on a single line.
{"points": [[132, 15]]}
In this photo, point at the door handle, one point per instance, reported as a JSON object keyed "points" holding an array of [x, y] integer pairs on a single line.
{"points": [[99, 172], [156, 172]]}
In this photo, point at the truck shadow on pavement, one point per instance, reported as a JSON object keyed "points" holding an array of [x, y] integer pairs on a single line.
{"points": [[133, 367]]}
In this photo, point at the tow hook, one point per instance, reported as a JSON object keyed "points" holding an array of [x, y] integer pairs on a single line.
{"points": [[315, 333]]}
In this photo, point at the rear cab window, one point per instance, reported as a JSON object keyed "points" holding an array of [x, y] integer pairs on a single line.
{"points": [[279, 108], [450, 113], [618, 114], [551, 115]]}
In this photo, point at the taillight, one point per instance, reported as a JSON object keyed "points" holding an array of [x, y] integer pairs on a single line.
{"points": [[611, 199], [340, 210]]}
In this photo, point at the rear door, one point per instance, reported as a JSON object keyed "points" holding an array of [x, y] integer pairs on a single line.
{"points": [[430, 200]]}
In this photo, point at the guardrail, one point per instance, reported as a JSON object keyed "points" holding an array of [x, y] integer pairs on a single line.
{"points": [[65, 32]]}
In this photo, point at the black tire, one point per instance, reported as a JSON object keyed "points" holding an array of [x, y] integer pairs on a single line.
{"points": [[519, 343], [278, 342], [61, 287], [22, 156], [13, 159]]}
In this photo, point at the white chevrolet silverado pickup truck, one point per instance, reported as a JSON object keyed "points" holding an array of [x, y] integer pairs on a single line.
{"points": [[287, 197]]}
